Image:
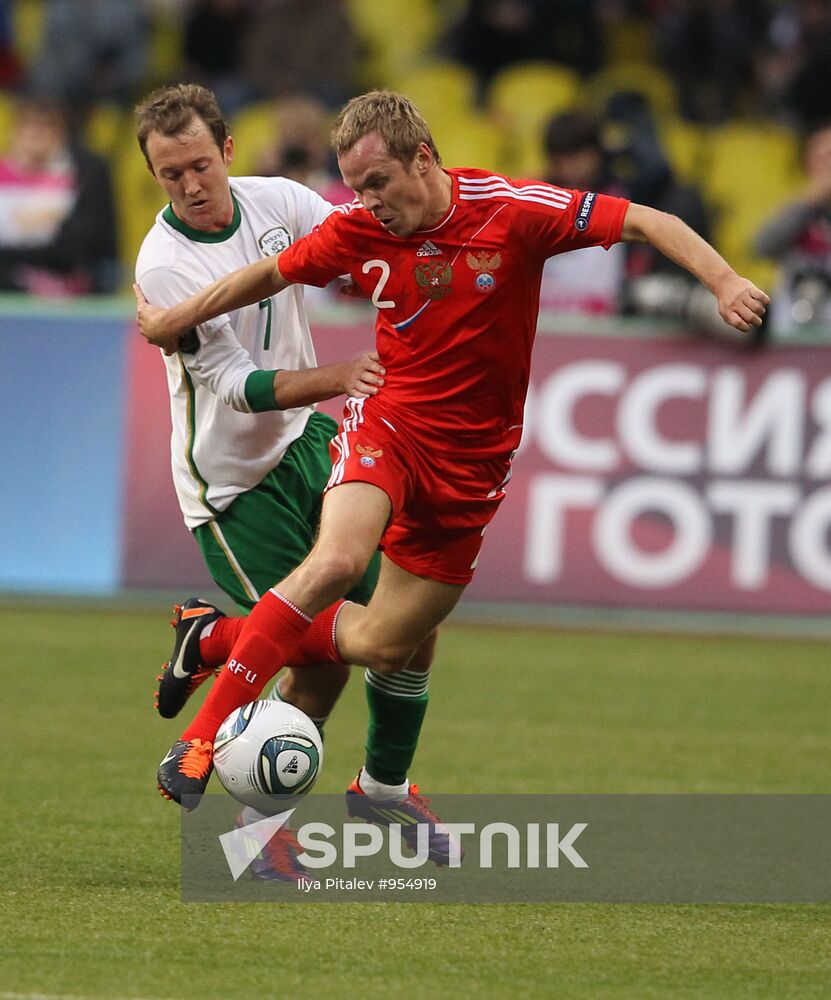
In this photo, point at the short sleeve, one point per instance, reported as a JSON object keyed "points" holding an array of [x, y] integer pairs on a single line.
{"points": [[573, 220], [318, 258]]}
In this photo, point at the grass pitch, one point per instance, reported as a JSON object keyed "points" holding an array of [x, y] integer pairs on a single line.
{"points": [[90, 854]]}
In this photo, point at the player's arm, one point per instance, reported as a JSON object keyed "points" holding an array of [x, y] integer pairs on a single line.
{"points": [[249, 284], [360, 377], [740, 302]]}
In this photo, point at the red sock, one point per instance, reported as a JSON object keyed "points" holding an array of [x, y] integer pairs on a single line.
{"points": [[214, 649], [269, 636], [318, 644]]}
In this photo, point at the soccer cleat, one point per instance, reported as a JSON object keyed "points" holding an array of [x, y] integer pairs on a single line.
{"points": [[409, 813], [184, 673], [277, 862], [186, 770]]}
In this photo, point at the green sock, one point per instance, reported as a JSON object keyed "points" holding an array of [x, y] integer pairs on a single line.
{"points": [[397, 703]]}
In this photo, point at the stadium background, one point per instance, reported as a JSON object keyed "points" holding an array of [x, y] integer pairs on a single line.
{"points": [[773, 561], [93, 545]]}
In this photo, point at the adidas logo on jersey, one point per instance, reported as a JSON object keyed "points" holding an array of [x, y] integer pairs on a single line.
{"points": [[292, 766], [428, 249]]}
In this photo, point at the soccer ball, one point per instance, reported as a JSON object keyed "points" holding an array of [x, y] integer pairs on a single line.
{"points": [[266, 753]]}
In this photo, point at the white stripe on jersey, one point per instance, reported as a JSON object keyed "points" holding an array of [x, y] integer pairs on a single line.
{"points": [[348, 207], [341, 442], [537, 193], [534, 185]]}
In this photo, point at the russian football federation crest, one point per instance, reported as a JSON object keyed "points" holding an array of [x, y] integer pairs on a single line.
{"points": [[274, 241], [368, 455], [484, 264], [434, 278]]}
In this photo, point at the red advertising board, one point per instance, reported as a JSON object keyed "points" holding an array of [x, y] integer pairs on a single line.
{"points": [[669, 474], [654, 473]]}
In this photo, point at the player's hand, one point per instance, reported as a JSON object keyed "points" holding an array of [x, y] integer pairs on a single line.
{"points": [[152, 324], [741, 303], [364, 375]]}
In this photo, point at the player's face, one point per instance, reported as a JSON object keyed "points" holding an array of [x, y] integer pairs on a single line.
{"points": [[398, 195], [193, 172]]}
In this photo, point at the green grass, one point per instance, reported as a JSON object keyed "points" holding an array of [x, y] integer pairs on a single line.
{"points": [[89, 853]]}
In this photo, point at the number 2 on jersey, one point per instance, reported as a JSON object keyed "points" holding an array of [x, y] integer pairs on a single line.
{"points": [[266, 304], [384, 268]]}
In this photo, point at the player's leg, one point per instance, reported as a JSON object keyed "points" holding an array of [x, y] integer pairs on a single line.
{"points": [[353, 520], [264, 534], [405, 606], [399, 631]]}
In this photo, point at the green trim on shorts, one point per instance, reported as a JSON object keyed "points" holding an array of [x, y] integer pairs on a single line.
{"points": [[270, 529]]}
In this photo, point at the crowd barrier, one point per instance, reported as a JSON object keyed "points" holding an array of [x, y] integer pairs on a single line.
{"points": [[656, 470]]}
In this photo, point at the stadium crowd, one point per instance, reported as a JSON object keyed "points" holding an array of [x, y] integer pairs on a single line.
{"points": [[698, 106]]}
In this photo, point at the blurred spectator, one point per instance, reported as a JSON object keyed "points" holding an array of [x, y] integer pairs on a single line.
{"points": [[302, 152], [588, 281], [798, 236], [707, 47], [92, 50], [621, 155], [794, 61], [57, 220], [10, 68], [302, 46], [212, 46], [493, 34], [809, 91], [639, 164]]}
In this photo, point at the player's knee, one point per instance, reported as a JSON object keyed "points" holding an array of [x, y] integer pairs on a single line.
{"points": [[391, 658], [327, 680], [422, 658], [336, 571]]}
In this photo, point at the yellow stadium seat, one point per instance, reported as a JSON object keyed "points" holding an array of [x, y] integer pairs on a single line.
{"points": [[751, 160], [688, 148], [752, 170], [105, 127], [642, 77], [165, 46], [438, 87], [27, 27], [255, 129], [6, 118], [524, 95], [139, 198], [469, 139], [396, 38]]}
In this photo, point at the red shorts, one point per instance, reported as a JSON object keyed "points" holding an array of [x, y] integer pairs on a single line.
{"points": [[440, 505]]}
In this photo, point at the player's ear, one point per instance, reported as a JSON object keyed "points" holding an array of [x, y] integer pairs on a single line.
{"points": [[228, 151], [423, 158]]}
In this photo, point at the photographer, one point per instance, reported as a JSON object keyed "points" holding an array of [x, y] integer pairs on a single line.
{"points": [[798, 237]]}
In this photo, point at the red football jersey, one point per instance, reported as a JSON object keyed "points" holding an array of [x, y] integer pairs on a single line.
{"points": [[458, 303]]}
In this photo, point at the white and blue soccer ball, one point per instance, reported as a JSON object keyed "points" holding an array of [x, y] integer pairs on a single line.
{"points": [[266, 754]]}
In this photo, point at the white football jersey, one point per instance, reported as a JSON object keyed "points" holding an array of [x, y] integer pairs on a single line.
{"points": [[219, 447]]}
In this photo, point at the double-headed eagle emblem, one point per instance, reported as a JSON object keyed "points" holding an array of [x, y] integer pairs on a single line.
{"points": [[484, 264], [434, 279]]}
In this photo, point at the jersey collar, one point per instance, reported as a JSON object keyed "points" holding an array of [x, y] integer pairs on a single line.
{"points": [[454, 197], [201, 235]]}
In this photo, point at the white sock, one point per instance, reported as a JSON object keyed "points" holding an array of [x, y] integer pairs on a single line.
{"points": [[378, 790]]}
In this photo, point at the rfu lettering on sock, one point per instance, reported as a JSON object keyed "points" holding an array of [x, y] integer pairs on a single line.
{"points": [[239, 668]]}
